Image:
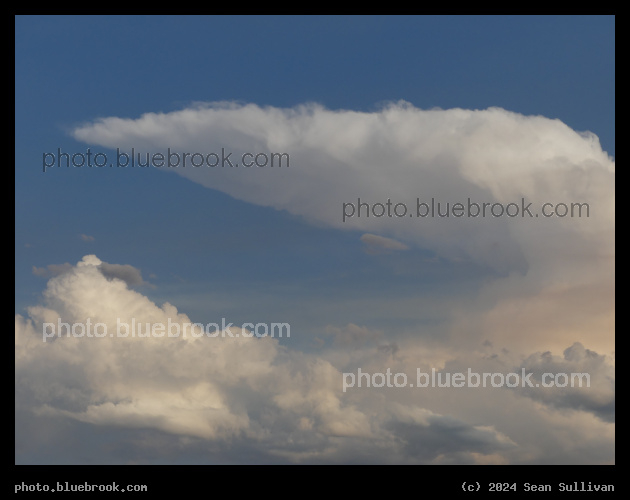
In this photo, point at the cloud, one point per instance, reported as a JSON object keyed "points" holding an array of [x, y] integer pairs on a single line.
{"points": [[375, 244], [210, 388], [402, 153], [352, 335], [546, 283], [86, 237], [538, 284], [553, 277], [427, 436], [124, 272], [597, 393], [251, 397]]}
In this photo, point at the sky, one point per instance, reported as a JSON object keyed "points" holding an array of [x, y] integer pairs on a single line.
{"points": [[502, 110]]}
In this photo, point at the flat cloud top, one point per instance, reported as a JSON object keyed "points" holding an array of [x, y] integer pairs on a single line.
{"points": [[401, 153]]}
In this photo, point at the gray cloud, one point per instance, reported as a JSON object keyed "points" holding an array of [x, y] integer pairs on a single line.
{"points": [[352, 335], [129, 274], [378, 244], [598, 398], [124, 272]]}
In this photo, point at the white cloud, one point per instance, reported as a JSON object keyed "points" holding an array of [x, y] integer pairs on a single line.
{"points": [[402, 153], [550, 285], [254, 395]]}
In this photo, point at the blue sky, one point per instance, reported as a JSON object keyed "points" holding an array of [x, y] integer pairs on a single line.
{"points": [[234, 252], [73, 69]]}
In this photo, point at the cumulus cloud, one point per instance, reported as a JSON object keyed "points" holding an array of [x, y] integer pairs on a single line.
{"points": [[178, 385], [589, 378], [260, 399], [546, 300]]}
